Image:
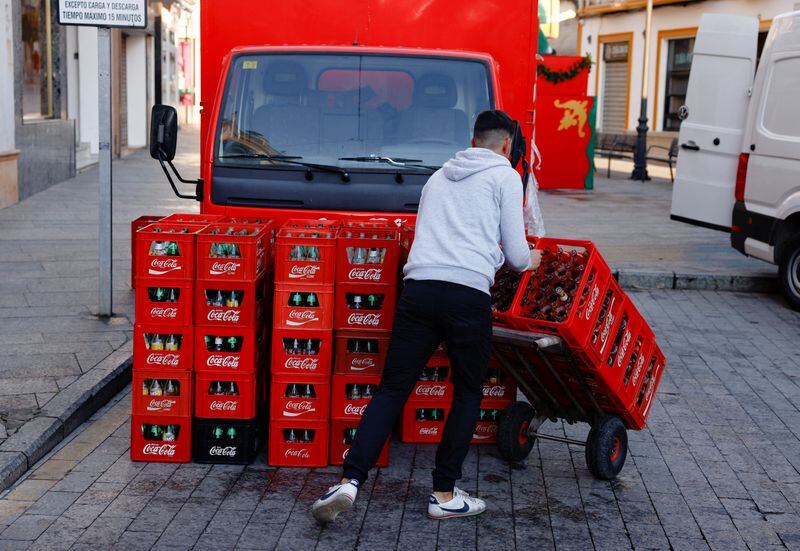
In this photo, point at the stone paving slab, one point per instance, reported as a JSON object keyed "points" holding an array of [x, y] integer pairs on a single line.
{"points": [[717, 468]]}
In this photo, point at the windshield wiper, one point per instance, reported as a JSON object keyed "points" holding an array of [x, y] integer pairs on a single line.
{"points": [[292, 160], [398, 162]]}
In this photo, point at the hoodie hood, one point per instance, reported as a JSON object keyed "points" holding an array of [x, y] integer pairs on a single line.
{"points": [[471, 161]]}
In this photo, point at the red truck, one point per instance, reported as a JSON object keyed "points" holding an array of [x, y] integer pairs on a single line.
{"points": [[346, 107]]}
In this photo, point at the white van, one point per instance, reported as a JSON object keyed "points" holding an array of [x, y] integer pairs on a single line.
{"points": [[739, 164]]}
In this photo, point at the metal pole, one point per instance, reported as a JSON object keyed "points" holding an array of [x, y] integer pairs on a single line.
{"points": [[640, 154], [104, 158]]}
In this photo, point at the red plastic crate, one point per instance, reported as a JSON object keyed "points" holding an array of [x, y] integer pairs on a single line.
{"points": [[583, 309], [343, 406], [230, 303], [426, 430], [175, 307], [505, 276], [288, 316], [439, 391], [136, 225], [157, 450], [360, 352], [164, 355], [290, 352], [640, 409], [485, 431], [342, 432], [367, 251], [600, 344], [192, 218], [293, 243], [311, 453], [233, 257], [634, 365], [243, 405], [247, 354], [152, 260], [366, 317], [176, 389], [498, 384], [311, 400]]}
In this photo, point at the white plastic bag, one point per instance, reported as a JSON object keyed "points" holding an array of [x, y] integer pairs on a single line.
{"points": [[532, 214]]}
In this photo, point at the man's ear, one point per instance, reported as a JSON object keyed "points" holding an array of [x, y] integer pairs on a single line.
{"points": [[506, 149]]}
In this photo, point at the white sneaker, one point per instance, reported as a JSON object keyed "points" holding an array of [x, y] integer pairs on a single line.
{"points": [[462, 505], [338, 499]]}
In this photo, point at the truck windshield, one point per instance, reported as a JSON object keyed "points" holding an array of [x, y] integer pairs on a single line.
{"points": [[347, 110]]}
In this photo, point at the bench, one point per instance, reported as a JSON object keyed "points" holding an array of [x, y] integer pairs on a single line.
{"points": [[670, 159]]}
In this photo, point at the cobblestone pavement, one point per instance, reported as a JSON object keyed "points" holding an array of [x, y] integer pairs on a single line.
{"points": [[717, 468]]}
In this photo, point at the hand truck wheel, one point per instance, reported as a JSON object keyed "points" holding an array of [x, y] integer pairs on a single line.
{"points": [[513, 439], [606, 448]]}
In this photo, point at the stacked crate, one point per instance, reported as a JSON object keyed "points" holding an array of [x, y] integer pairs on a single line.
{"points": [[499, 390], [163, 342], [302, 343], [231, 308], [366, 290]]}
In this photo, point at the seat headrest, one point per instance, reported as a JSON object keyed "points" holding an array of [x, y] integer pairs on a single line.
{"points": [[285, 78], [435, 90]]}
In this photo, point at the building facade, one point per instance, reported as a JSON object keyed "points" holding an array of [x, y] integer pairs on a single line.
{"points": [[49, 90], [613, 34]]}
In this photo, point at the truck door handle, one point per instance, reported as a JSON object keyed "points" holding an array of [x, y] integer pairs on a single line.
{"points": [[691, 146]]}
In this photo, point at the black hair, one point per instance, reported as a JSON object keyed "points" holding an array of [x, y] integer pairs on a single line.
{"points": [[489, 122]]}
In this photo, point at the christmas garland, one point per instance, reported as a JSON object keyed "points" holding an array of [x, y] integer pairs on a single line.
{"points": [[568, 74]]}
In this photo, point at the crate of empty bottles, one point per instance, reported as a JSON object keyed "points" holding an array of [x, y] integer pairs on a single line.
{"points": [[305, 252]]}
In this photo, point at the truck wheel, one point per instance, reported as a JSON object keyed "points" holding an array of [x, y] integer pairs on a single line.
{"points": [[512, 432], [789, 273], [606, 448]]}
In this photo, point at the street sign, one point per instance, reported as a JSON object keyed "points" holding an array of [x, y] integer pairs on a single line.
{"points": [[104, 14], [130, 14]]}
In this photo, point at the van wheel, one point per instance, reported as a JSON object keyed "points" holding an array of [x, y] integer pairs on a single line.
{"points": [[789, 273]]}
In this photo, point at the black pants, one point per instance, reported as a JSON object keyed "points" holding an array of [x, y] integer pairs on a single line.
{"points": [[428, 313]]}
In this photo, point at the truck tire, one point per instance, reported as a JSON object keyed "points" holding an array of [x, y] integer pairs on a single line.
{"points": [[513, 441], [789, 272], [607, 448]]}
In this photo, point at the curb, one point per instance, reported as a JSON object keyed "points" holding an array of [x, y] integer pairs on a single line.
{"points": [[642, 281], [63, 414]]}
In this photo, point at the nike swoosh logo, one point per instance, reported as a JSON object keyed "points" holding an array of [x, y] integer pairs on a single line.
{"points": [[329, 494], [464, 508]]}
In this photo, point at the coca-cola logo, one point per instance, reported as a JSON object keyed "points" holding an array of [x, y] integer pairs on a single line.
{"points": [[302, 453], [224, 268], [484, 431], [308, 271], [167, 450], [224, 451], [294, 362], [365, 274], [626, 340], [607, 327], [167, 360], [224, 405], [161, 312], [344, 453], [592, 301], [429, 431], [162, 404], [297, 318], [360, 364], [638, 370], [295, 409], [227, 316], [161, 266], [223, 361], [649, 396], [350, 409], [430, 390], [494, 391], [364, 319]]}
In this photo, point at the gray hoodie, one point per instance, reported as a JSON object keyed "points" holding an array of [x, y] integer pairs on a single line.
{"points": [[468, 207]]}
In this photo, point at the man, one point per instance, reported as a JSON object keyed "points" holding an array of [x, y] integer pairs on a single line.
{"points": [[467, 209]]}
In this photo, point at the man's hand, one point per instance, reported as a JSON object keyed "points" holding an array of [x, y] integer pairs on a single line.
{"points": [[536, 258]]}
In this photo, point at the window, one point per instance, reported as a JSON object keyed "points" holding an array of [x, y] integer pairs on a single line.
{"points": [[323, 108], [781, 112], [679, 61], [37, 83]]}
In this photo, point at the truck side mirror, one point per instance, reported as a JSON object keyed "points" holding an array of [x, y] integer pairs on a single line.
{"points": [[163, 132]]}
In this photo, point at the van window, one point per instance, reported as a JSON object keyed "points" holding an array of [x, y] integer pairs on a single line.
{"points": [[323, 108], [781, 109]]}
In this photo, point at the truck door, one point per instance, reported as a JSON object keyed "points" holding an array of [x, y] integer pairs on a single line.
{"points": [[710, 138]]}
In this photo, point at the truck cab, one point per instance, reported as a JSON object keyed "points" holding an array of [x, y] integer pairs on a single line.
{"points": [[334, 109], [739, 165]]}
